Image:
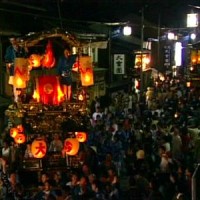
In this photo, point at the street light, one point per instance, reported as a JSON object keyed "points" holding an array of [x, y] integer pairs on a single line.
{"points": [[127, 30]]}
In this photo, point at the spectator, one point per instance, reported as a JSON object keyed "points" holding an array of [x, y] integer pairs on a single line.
{"points": [[56, 145]]}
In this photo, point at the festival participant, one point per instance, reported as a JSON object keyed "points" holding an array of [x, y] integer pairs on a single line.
{"points": [[65, 68]]}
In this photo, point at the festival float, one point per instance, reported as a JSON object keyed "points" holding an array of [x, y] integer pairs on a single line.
{"points": [[41, 109]]}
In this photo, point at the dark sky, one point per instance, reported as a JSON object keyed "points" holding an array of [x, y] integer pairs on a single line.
{"points": [[172, 13]]}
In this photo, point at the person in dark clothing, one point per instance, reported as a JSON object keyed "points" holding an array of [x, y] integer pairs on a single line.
{"points": [[13, 190], [65, 67]]}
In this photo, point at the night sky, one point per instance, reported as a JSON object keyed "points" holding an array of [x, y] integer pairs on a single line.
{"points": [[170, 13]]}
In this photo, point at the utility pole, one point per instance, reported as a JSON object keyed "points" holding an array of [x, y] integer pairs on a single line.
{"points": [[142, 40]]}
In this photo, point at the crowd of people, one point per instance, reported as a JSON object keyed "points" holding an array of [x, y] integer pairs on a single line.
{"points": [[143, 139]]}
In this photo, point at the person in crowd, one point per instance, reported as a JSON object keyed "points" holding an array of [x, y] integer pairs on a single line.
{"points": [[73, 182], [67, 193], [46, 193], [5, 151], [81, 191], [28, 154], [96, 191], [57, 179], [65, 68], [12, 188], [97, 115], [154, 193], [176, 144], [44, 177], [56, 145]]}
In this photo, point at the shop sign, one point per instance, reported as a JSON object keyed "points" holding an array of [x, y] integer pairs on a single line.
{"points": [[167, 56], [119, 63]]}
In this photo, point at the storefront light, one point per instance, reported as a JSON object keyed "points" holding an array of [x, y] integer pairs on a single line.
{"points": [[188, 84], [193, 36], [192, 20], [171, 36], [178, 53]]}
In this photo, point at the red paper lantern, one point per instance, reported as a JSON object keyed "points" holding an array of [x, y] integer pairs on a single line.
{"points": [[81, 136], [71, 146], [20, 138], [38, 148], [13, 132]]}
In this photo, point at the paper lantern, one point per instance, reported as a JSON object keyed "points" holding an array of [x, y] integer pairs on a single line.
{"points": [[81, 136], [35, 60], [21, 72], [20, 138], [87, 78], [18, 82], [38, 148], [71, 146], [13, 132]]}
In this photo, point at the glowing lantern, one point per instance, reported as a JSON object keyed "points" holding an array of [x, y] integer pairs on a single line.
{"points": [[87, 77], [20, 138], [193, 57], [21, 72], [188, 84], [71, 146], [198, 57], [35, 60], [13, 132], [18, 82], [81, 136], [38, 148], [86, 70], [80, 97]]}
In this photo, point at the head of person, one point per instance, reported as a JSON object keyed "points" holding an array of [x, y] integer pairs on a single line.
{"points": [[13, 178], [56, 136], [67, 52], [44, 177], [47, 185], [13, 40]]}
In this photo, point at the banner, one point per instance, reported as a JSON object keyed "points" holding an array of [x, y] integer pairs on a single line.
{"points": [[119, 63]]}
